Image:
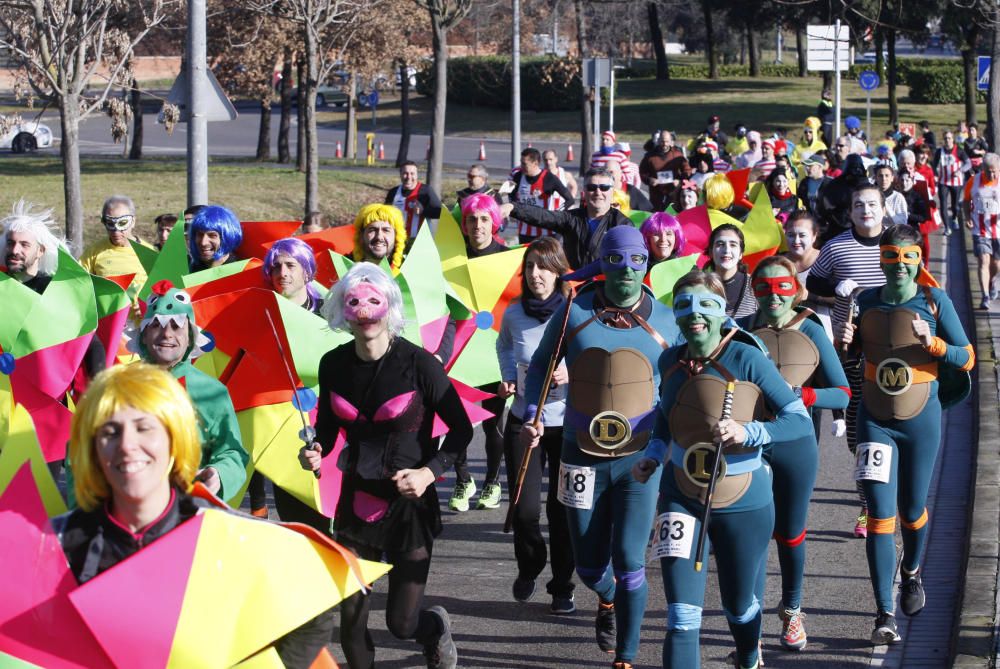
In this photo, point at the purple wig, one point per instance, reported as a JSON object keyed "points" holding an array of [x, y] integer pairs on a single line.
{"points": [[482, 202], [214, 218], [303, 255], [659, 222]]}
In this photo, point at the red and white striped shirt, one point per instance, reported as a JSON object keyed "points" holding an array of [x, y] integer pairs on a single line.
{"points": [[985, 207], [949, 169]]}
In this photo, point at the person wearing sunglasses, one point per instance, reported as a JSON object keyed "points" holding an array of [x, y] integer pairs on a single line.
{"points": [[582, 228], [615, 333], [797, 343], [114, 256], [717, 390], [917, 358]]}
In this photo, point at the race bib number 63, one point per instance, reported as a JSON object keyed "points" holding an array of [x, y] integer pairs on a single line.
{"points": [[673, 534], [576, 486]]}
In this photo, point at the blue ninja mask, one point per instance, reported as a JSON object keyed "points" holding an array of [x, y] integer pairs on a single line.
{"points": [[706, 304]]}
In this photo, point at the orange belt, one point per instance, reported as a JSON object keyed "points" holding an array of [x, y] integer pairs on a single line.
{"points": [[921, 373]]}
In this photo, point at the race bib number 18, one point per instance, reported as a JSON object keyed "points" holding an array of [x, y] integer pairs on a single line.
{"points": [[576, 486], [873, 462], [673, 533]]}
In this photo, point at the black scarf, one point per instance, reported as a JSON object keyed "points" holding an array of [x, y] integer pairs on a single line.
{"points": [[542, 309]]}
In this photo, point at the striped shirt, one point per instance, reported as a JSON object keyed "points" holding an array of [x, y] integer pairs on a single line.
{"points": [[848, 256]]}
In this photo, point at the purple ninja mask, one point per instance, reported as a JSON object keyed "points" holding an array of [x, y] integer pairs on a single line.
{"points": [[364, 303], [621, 247]]}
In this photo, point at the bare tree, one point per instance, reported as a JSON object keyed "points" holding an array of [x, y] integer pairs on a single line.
{"points": [[445, 15], [60, 52], [325, 28]]}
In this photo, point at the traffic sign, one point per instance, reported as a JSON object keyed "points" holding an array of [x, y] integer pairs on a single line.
{"points": [[868, 80], [363, 99], [373, 98], [821, 43], [983, 76], [217, 105]]}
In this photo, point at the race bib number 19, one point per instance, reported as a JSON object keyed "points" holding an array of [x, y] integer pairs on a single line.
{"points": [[576, 486], [873, 462], [673, 533]]}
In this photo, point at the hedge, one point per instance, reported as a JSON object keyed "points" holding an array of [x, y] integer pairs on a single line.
{"points": [[547, 83], [939, 84]]}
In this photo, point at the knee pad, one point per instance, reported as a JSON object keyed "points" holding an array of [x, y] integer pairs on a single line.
{"points": [[683, 617], [591, 576], [631, 580], [746, 616], [916, 524], [791, 543], [882, 525]]}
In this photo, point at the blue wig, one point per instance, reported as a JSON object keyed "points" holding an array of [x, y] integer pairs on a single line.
{"points": [[303, 255], [214, 218]]}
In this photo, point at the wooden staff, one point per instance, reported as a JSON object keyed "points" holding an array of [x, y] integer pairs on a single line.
{"points": [[526, 458], [727, 412]]}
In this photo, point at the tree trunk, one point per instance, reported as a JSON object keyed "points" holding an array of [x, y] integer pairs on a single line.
{"points": [[586, 99], [743, 48], [890, 38], [656, 35], [713, 57], [440, 45], [970, 72], [404, 114], [264, 132], [800, 50], [312, 145], [69, 148], [351, 130], [879, 49], [285, 124], [135, 153], [993, 108], [300, 140], [753, 49]]}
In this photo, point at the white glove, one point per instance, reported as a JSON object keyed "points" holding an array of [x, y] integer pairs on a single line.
{"points": [[507, 187], [838, 428], [846, 287]]}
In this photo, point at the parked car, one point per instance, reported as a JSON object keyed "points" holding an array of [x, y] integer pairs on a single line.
{"points": [[26, 137]]}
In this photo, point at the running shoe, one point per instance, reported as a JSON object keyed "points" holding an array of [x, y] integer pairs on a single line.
{"points": [[259, 513], [947, 231], [563, 606], [441, 654], [490, 497], [605, 627], [460, 496], [523, 589], [861, 526], [911, 594], [994, 293], [793, 632], [733, 660], [621, 664], [885, 629], [985, 304]]}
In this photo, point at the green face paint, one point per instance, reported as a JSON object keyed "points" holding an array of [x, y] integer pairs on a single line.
{"points": [[702, 332], [623, 287], [775, 295]]}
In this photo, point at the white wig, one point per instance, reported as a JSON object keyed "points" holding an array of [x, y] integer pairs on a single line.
{"points": [[905, 155], [364, 272], [42, 226]]}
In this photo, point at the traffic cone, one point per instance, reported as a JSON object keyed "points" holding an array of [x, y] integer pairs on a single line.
{"points": [[569, 153], [482, 151], [340, 150], [529, 145], [381, 150]]}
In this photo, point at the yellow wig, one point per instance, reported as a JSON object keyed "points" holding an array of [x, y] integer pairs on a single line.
{"points": [[143, 387], [719, 192], [371, 213], [621, 200]]}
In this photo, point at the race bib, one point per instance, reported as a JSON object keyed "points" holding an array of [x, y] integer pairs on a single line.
{"points": [[576, 486], [673, 534], [665, 177], [873, 462], [557, 393]]}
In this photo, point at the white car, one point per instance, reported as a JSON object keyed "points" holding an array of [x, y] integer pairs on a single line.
{"points": [[26, 137]]}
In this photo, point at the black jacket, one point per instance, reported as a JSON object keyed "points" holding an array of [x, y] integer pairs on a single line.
{"points": [[581, 245]]}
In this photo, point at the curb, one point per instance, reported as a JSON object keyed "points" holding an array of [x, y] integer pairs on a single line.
{"points": [[976, 625]]}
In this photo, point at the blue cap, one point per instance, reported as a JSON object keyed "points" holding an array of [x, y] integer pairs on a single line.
{"points": [[852, 122]]}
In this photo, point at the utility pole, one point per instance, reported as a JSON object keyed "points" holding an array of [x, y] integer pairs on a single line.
{"points": [[197, 137], [515, 84]]}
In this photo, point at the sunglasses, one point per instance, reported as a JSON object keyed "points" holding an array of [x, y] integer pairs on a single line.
{"points": [[118, 223], [604, 188]]}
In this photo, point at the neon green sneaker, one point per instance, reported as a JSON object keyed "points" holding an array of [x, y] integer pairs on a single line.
{"points": [[460, 496], [490, 497]]}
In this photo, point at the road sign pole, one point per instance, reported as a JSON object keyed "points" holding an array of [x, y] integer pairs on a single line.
{"points": [[611, 96], [197, 138], [836, 74], [868, 116]]}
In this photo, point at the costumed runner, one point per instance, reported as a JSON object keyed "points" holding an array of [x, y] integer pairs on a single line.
{"points": [[917, 356], [715, 390], [381, 392], [615, 333], [807, 361]]}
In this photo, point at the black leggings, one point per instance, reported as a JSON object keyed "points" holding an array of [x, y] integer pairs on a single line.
{"points": [[404, 614], [492, 429]]}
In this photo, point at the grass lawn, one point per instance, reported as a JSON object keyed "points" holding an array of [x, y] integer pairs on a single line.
{"points": [[644, 105], [254, 192]]}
